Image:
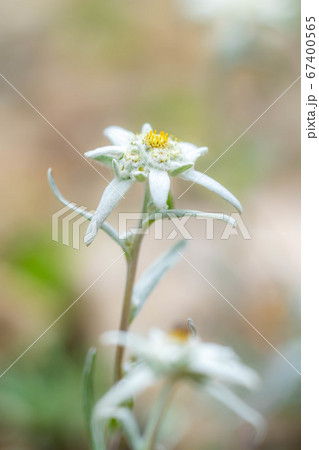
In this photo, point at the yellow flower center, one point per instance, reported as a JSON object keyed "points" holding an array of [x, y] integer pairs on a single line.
{"points": [[156, 140], [179, 334]]}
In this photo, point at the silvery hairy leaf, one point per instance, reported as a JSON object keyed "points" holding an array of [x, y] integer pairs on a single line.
{"points": [[110, 198], [105, 154], [126, 420], [88, 391], [109, 406], [105, 226], [224, 395], [212, 185], [153, 275], [172, 213]]}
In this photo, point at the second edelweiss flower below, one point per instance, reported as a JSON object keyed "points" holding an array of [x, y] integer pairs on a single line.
{"points": [[178, 356], [147, 156]]}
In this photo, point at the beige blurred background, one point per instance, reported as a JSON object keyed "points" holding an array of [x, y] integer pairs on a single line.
{"points": [[85, 65]]}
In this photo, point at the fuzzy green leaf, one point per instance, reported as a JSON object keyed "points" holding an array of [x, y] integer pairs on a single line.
{"points": [[88, 390], [180, 169], [170, 200]]}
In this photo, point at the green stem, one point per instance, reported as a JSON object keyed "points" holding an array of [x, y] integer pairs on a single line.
{"points": [[131, 259], [157, 416], [127, 302]]}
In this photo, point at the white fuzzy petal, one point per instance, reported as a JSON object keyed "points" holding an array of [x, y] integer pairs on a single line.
{"points": [[110, 198], [135, 382], [159, 186], [236, 404], [106, 154], [146, 128], [188, 150], [118, 135], [222, 363], [200, 151], [191, 152], [188, 147], [212, 185]]}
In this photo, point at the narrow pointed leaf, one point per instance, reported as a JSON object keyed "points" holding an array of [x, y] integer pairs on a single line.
{"points": [[125, 418], [212, 185], [110, 406], [152, 276], [180, 169], [88, 390], [136, 381], [170, 200], [139, 176], [116, 168], [237, 405], [167, 214], [110, 198], [105, 154], [105, 226]]}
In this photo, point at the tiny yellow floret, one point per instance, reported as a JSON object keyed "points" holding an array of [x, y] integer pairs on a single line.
{"points": [[156, 140]]}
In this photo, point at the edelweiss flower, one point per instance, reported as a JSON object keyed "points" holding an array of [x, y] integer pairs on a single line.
{"points": [[179, 355], [148, 156]]}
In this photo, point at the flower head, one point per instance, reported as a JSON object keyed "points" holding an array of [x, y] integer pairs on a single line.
{"points": [[147, 156], [181, 356]]}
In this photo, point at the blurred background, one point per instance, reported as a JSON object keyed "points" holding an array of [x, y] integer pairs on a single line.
{"points": [[203, 75]]}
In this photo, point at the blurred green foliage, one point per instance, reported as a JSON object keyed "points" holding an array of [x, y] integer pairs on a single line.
{"points": [[99, 32], [40, 400], [40, 397], [33, 256]]}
